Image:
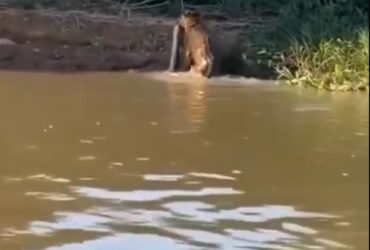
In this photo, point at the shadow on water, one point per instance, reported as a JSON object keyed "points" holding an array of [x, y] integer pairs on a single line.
{"points": [[117, 161]]}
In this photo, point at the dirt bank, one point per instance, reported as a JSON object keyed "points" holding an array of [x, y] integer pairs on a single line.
{"points": [[75, 41]]}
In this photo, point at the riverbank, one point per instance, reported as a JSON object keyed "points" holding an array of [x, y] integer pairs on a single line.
{"points": [[298, 42], [77, 41]]}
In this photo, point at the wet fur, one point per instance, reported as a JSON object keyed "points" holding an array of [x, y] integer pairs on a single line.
{"points": [[196, 44]]}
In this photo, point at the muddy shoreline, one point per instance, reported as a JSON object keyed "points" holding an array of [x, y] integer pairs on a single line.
{"points": [[76, 41]]}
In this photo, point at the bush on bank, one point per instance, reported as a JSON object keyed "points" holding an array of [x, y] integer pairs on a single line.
{"points": [[318, 43]]}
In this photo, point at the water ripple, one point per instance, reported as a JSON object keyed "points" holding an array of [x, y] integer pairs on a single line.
{"points": [[129, 241], [151, 195], [199, 211], [211, 176], [71, 221], [158, 177]]}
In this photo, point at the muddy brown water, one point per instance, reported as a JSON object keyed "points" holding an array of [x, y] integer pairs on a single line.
{"points": [[120, 161]]}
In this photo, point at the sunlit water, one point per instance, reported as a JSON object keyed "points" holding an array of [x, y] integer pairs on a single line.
{"points": [[118, 161]]}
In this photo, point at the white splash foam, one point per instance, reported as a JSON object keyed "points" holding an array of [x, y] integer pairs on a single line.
{"points": [[158, 177], [331, 243], [151, 195], [225, 80], [298, 228], [211, 176]]}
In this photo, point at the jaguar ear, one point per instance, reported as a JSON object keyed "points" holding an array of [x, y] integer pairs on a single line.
{"points": [[191, 13], [186, 13]]}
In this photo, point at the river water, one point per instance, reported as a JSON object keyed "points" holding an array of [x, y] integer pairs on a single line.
{"points": [[121, 161]]}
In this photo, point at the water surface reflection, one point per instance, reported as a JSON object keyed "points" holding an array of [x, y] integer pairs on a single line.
{"points": [[114, 161]]}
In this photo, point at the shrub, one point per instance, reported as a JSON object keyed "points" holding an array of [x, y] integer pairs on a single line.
{"points": [[323, 44], [332, 64]]}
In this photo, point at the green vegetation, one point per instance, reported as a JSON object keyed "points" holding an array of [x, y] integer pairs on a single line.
{"points": [[331, 64], [323, 44], [318, 43]]}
